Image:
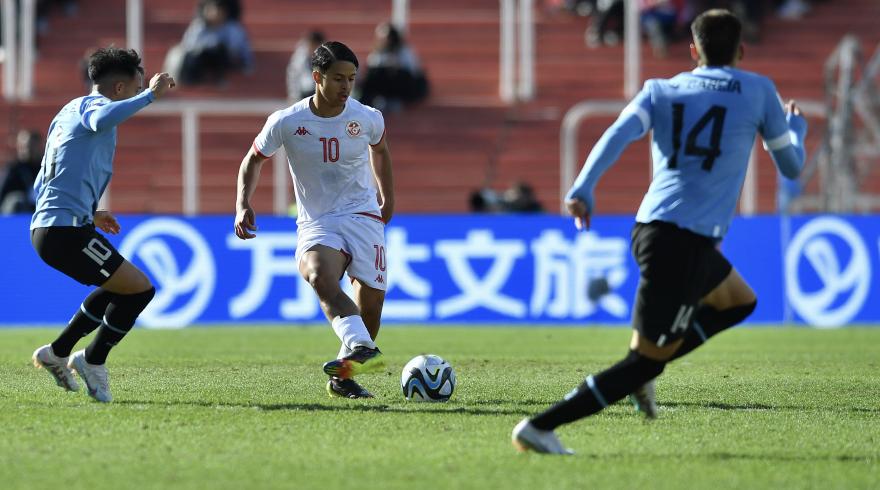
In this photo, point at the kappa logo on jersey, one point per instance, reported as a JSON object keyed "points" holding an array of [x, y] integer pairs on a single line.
{"points": [[301, 131], [353, 128]]}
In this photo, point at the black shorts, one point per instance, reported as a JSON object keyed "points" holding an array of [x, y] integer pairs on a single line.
{"points": [[78, 251], [677, 269]]}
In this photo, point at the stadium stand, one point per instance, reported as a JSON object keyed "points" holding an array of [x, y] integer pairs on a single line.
{"points": [[461, 139]]}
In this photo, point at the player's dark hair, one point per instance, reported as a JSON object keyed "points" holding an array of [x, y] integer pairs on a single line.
{"points": [[316, 37], [331, 52], [717, 32], [111, 62]]}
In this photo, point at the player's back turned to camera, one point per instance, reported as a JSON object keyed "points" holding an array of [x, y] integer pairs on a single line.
{"points": [[715, 111], [75, 172], [704, 124]]}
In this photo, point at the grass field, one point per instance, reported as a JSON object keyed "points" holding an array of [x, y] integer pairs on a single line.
{"points": [[246, 408]]}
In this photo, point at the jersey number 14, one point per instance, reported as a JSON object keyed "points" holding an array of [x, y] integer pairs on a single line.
{"points": [[714, 116]]}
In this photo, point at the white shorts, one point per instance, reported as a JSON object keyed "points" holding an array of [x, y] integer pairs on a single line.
{"points": [[359, 237]]}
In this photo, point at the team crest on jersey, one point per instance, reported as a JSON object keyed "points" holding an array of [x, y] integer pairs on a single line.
{"points": [[353, 128]]}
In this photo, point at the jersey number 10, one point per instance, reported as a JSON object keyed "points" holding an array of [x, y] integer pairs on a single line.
{"points": [[331, 149], [715, 116]]}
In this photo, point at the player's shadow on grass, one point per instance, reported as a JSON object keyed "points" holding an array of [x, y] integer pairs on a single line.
{"points": [[342, 406], [513, 401], [727, 456], [762, 406]]}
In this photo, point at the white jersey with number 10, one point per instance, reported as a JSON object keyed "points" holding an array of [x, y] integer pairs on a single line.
{"points": [[329, 157]]}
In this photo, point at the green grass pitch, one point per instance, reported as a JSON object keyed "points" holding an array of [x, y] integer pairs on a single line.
{"points": [[246, 408]]}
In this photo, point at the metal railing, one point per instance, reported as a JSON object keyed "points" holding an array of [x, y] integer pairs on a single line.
{"points": [[9, 13], [569, 156], [19, 43], [517, 50], [134, 26], [632, 49], [850, 146], [190, 112]]}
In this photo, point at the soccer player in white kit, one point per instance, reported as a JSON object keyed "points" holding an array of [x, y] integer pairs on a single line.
{"points": [[341, 168]]}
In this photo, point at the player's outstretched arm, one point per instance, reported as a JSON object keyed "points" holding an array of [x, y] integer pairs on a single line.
{"points": [[107, 116], [248, 177], [579, 199], [380, 159], [788, 149]]}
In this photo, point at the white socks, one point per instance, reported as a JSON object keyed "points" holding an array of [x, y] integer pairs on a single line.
{"points": [[352, 332], [344, 351]]}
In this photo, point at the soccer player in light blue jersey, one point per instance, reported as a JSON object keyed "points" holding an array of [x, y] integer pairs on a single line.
{"points": [[704, 124], [75, 171]]}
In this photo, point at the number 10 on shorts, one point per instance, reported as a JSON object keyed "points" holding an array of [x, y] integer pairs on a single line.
{"points": [[380, 257]]}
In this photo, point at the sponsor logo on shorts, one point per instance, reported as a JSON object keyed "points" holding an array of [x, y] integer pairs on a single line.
{"points": [[380, 279]]}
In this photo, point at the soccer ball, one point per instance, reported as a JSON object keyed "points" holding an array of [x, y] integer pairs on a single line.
{"points": [[427, 378]]}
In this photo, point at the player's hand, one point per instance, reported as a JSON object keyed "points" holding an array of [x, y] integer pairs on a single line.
{"points": [[387, 211], [245, 222], [791, 107], [160, 83], [106, 222], [578, 209]]}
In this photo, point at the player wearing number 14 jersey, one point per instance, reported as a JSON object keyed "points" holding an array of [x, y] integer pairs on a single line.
{"points": [[704, 124], [341, 169]]}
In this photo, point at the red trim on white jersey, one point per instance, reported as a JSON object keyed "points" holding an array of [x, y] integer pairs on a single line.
{"points": [[371, 215], [380, 139], [257, 151]]}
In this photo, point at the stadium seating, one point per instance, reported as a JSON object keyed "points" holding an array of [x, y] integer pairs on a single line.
{"points": [[461, 139]]}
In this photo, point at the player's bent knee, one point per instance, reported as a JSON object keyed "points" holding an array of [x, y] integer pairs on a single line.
{"points": [[322, 283]]}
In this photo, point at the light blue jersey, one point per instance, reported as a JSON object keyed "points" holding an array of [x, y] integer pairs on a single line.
{"points": [[78, 161], [704, 123]]}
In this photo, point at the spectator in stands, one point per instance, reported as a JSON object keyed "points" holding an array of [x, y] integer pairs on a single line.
{"points": [[44, 7], [606, 26], [485, 200], [16, 191], [520, 198], [660, 21], [214, 44], [300, 83], [394, 76], [793, 9]]}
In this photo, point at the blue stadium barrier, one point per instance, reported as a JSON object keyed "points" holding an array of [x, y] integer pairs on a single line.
{"points": [[520, 269]]}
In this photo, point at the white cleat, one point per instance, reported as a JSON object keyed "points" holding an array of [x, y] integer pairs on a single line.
{"points": [[45, 358], [526, 437], [95, 376], [644, 399]]}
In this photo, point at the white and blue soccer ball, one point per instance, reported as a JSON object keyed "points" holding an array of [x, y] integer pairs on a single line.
{"points": [[427, 378]]}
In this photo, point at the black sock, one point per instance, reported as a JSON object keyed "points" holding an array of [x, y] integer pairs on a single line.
{"points": [[84, 322], [120, 317], [709, 322], [601, 390]]}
